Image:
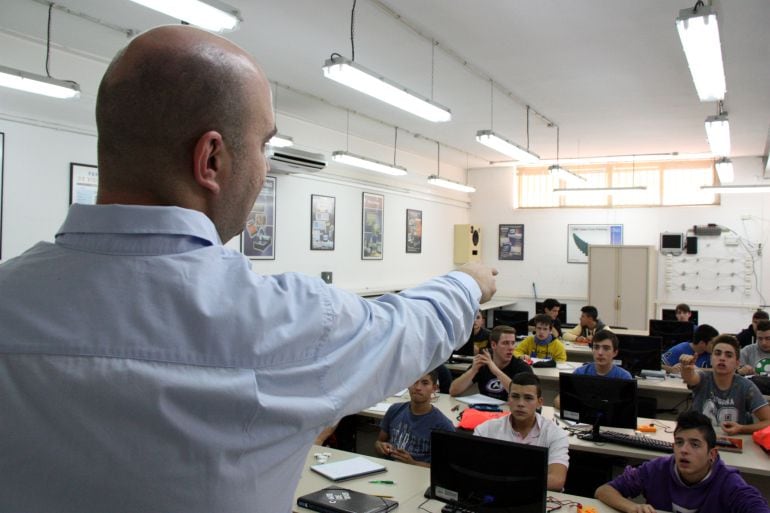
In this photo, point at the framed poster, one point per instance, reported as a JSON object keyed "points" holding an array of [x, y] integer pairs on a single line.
{"points": [[413, 231], [510, 242], [373, 206], [322, 222], [2, 162], [258, 238], [580, 236], [84, 179]]}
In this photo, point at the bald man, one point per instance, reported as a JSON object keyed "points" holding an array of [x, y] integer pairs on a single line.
{"points": [[143, 366]]}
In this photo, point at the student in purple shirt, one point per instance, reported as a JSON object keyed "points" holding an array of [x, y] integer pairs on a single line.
{"points": [[694, 479]]}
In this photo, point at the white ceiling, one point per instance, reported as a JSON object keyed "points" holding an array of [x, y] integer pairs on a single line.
{"points": [[612, 75]]}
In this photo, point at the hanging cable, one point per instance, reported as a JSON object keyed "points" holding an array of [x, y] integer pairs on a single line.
{"points": [[491, 104], [438, 159], [527, 127], [395, 145], [48, 41], [432, 65], [347, 131], [352, 33]]}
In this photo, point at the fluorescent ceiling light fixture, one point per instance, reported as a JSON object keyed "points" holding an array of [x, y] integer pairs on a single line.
{"points": [[565, 174], [353, 75], [38, 84], [652, 157], [210, 15], [699, 33], [351, 159], [449, 184], [718, 133], [280, 141], [725, 170], [492, 140], [737, 189], [607, 190]]}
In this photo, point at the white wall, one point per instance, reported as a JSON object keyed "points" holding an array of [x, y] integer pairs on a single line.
{"points": [[545, 248], [36, 198]]}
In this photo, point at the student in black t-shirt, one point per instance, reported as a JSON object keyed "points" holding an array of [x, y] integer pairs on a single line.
{"points": [[479, 338], [749, 335], [493, 371]]}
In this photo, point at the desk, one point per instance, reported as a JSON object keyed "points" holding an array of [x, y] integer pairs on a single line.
{"points": [[411, 483], [578, 352]]}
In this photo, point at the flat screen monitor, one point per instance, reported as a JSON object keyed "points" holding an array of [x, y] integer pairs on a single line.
{"points": [[672, 332], [637, 352], [487, 475], [669, 314], [671, 243], [562, 311], [516, 319], [598, 401]]}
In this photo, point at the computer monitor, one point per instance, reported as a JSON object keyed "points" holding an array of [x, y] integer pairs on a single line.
{"points": [[637, 353], [669, 314], [672, 332], [598, 401], [487, 475], [516, 319], [562, 311]]}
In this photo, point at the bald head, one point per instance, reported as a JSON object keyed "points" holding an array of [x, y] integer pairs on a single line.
{"points": [[160, 94]]}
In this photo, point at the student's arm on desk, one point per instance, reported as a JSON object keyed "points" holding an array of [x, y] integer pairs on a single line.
{"points": [[382, 445], [572, 335], [611, 497], [465, 380], [557, 476]]}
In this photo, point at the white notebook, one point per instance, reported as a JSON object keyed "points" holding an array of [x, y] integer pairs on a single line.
{"points": [[348, 469], [479, 399]]}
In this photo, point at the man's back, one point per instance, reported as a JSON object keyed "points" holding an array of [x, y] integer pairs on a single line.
{"points": [[150, 370]]}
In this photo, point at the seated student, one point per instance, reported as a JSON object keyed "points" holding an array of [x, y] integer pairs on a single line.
{"points": [[405, 429], [493, 372], [683, 312], [542, 344], [604, 349], [444, 378], [525, 426], [725, 397], [551, 308], [693, 479], [748, 336], [698, 347], [752, 354], [589, 324], [478, 338]]}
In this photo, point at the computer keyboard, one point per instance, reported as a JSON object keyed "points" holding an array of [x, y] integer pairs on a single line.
{"points": [[452, 508], [636, 441]]}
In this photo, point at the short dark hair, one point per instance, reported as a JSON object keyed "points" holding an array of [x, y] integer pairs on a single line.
{"points": [[760, 314], [704, 333], [590, 311], [601, 335], [729, 340], [433, 376], [542, 319], [682, 307], [498, 331], [763, 325], [550, 304], [526, 379], [693, 419]]}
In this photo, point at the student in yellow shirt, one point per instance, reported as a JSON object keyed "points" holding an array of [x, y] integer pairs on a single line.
{"points": [[542, 344]]}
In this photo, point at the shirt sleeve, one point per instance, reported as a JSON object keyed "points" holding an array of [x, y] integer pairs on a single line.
{"points": [[670, 357], [558, 351], [572, 334], [522, 348], [742, 497], [630, 483], [754, 398], [558, 447]]}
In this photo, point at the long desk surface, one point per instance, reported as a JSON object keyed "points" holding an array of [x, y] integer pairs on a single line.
{"points": [[411, 482], [752, 460]]}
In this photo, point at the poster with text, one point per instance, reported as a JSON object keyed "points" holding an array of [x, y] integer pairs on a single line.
{"points": [[84, 180], [371, 226], [413, 231], [510, 242], [259, 235], [322, 222], [580, 236]]}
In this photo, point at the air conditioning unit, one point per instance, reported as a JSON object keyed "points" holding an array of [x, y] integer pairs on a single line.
{"points": [[290, 160]]}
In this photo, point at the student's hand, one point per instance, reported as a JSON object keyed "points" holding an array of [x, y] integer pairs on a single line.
{"points": [[582, 340], [687, 361], [402, 456], [674, 369], [484, 276], [746, 370], [385, 448], [481, 359], [731, 428]]}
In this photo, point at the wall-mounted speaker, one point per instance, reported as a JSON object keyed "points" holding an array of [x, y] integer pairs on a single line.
{"points": [[467, 243]]}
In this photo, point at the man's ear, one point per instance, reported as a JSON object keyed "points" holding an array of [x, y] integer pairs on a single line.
{"points": [[208, 161]]}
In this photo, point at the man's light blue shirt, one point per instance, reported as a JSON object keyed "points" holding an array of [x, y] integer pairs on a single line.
{"points": [[145, 367]]}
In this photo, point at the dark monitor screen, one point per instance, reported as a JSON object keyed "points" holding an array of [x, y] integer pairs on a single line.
{"points": [[672, 332], [487, 475], [562, 311], [516, 319], [637, 352], [669, 314], [598, 400]]}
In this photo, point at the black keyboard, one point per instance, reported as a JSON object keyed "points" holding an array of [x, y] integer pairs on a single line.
{"points": [[451, 508], [636, 441]]}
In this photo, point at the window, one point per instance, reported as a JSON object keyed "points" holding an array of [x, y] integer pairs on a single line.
{"points": [[667, 183]]}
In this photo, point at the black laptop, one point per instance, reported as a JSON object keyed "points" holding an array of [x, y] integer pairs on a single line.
{"points": [[334, 499]]}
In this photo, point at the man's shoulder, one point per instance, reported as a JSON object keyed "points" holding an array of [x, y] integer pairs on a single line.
{"points": [[587, 369], [516, 366]]}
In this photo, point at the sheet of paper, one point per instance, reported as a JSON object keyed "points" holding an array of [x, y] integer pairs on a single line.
{"points": [[346, 469], [379, 407], [479, 399]]}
